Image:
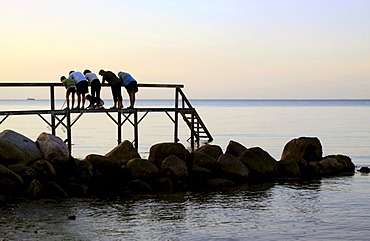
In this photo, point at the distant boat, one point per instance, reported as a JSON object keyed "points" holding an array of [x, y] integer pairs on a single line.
{"points": [[30, 98]]}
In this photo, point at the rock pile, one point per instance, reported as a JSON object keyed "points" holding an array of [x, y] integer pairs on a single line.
{"points": [[43, 169]]}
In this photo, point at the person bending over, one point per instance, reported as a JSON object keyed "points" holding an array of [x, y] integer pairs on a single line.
{"points": [[82, 87], [131, 86], [115, 84], [71, 89]]}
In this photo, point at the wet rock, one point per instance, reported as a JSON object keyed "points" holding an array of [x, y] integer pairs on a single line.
{"points": [[103, 167], [174, 167], [261, 165], [309, 148], [211, 150], [161, 151], [83, 171], [219, 183], [199, 175], [164, 184], [142, 169], [316, 170], [35, 190], [52, 148], [16, 148], [10, 182], [76, 189], [139, 186], [44, 170], [235, 148], [206, 161], [53, 190], [364, 170], [108, 174], [336, 164], [288, 168], [233, 168], [124, 152], [26, 173]]}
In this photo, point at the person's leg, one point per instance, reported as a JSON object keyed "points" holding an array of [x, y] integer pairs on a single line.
{"points": [[78, 100], [67, 99], [83, 101], [98, 89], [132, 99], [120, 104], [73, 99], [114, 97]]}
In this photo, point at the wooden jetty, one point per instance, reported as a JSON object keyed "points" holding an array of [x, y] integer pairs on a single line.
{"points": [[182, 107]]}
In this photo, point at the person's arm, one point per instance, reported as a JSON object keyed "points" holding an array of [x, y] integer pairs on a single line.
{"points": [[103, 80]]}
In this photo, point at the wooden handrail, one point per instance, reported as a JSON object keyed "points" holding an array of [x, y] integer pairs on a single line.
{"points": [[28, 84]]}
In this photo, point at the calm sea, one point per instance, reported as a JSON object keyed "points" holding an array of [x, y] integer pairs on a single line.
{"points": [[329, 209]]}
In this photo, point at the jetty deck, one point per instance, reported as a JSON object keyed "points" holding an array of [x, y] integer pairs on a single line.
{"points": [[56, 117]]}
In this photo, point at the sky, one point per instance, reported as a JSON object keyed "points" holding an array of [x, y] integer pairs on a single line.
{"points": [[219, 49]]}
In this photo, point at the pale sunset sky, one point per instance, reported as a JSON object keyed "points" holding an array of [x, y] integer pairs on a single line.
{"points": [[233, 49]]}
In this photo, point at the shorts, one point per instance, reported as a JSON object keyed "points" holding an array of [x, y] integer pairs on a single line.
{"points": [[71, 89], [82, 87], [132, 87]]}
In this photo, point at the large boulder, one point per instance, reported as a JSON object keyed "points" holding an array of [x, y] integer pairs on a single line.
{"points": [[161, 151], [233, 168], [235, 148], [309, 148], [203, 160], [44, 170], [35, 190], [52, 147], [83, 171], [10, 182], [26, 173], [262, 166], [16, 148], [336, 164], [214, 151], [123, 152], [108, 174], [53, 190], [142, 169], [288, 168], [139, 186], [174, 167], [103, 167]]}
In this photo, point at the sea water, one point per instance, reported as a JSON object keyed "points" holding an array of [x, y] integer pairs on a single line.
{"points": [[328, 209]]}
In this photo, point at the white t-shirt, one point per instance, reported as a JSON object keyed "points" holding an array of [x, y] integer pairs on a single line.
{"points": [[91, 76], [77, 76]]}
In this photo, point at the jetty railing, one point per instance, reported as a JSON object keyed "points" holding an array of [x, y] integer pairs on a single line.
{"points": [[58, 117]]}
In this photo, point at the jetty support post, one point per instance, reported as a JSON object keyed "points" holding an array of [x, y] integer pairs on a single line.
{"points": [[176, 131], [119, 126], [136, 131], [69, 131], [192, 130], [52, 107]]}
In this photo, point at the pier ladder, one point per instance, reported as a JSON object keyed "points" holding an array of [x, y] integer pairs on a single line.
{"points": [[192, 119]]}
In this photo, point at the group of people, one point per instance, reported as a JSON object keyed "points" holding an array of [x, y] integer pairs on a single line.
{"points": [[77, 83]]}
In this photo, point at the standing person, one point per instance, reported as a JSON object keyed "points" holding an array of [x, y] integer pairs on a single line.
{"points": [[82, 87], [115, 84], [95, 87], [131, 86], [71, 89]]}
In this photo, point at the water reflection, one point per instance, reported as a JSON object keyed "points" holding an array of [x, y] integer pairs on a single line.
{"points": [[333, 208]]}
